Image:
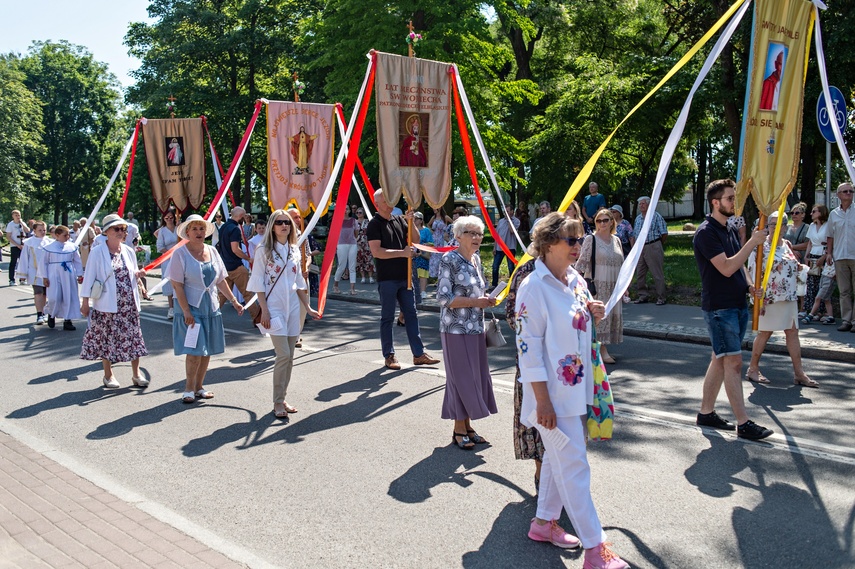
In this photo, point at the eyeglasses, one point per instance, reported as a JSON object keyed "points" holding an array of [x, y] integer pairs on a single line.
{"points": [[845, 191], [474, 234], [572, 241], [360, 213], [604, 220], [282, 222]]}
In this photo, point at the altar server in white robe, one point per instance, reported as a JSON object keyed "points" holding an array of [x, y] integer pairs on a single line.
{"points": [[27, 267], [61, 271]]}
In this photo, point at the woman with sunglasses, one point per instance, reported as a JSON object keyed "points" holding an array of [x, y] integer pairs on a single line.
{"points": [[555, 314], [197, 272], [604, 270], [364, 260], [816, 234], [114, 333], [278, 280], [166, 240]]}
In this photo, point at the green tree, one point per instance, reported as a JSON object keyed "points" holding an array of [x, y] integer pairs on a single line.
{"points": [[218, 57], [80, 104], [20, 136]]}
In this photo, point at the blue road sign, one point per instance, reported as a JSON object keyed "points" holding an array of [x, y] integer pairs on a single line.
{"points": [[839, 113]]}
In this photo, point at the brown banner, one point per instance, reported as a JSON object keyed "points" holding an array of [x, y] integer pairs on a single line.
{"points": [[175, 153], [413, 98], [300, 140]]}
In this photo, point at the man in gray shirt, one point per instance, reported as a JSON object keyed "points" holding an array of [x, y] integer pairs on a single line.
{"points": [[841, 252]]}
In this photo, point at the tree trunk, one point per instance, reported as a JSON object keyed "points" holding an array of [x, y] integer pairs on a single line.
{"points": [[807, 186], [701, 180]]}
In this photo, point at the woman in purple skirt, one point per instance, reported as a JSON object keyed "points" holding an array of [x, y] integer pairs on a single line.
{"points": [[461, 297]]}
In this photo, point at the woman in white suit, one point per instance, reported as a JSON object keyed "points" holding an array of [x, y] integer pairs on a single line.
{"points": [[114, 333]]}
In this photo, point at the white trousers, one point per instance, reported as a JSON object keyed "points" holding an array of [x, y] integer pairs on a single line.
{"points": [[346, 255], [565, 480]]}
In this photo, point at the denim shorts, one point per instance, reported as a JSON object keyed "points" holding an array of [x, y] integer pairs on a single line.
{"points": [[727, 330]]}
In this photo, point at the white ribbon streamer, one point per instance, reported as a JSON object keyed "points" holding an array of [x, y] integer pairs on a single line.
{"points": [[91, 219], [355, 184], [627, 270], [477, 135]]}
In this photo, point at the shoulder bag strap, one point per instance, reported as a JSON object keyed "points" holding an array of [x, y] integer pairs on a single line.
{"points": [[593, 256]]}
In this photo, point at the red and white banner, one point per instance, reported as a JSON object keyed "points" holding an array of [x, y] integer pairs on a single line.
{"points": [[300, 141], [414, 128]]}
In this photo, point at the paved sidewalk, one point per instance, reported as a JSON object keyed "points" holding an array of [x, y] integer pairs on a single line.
{"points": [[670, 322], [51, 517]]}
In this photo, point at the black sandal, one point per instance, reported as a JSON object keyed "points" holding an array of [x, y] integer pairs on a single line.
{"points": [[476, 438], [464, 443]]}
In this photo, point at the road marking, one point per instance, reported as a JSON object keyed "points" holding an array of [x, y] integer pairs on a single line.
{"points": [[163, 320]]}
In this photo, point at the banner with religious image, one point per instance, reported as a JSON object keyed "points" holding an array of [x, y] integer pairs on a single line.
{"points": [[772, 117], [300, 141], [413, 99], [175, 153]]}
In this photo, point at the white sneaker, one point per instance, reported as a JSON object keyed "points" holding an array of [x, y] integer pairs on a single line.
{"points": [[40, 320], [170, 314], [363, 280], [371, 280]]}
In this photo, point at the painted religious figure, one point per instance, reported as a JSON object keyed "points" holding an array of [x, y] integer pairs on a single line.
{"points": [[776, 58], [413, 151], [301, 150], [175, 151]]}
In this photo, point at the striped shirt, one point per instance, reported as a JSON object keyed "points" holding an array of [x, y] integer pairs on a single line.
{"points": [[658, 228]]}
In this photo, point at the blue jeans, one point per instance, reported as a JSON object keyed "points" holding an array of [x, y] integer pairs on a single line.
{"points": [[393, 293], [497, 263], [727, 330]]}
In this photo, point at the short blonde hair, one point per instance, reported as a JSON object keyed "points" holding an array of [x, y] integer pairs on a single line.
{"points": [[549, 231], [612, 224]]}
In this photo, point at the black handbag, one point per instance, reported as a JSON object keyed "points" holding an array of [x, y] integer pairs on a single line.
{"points": [[592, 288]]}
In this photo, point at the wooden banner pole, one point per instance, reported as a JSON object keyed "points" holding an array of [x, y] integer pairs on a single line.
{"points": [[410, 221], [758, 276]]}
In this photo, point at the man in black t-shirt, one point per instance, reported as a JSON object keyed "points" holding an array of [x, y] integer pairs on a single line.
{"points": [[229, 247], [387, 239], [724, 282]]}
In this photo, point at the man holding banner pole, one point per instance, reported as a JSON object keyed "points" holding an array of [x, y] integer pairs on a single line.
{"points": [[724, 282], [389, 247]]}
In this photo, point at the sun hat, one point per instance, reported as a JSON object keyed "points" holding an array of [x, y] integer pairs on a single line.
{"points": [[617, 208], [111, 220], [195, 218]]}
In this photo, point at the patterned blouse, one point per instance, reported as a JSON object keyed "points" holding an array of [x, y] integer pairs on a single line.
{"points": [[459, 277], [782, 280]]}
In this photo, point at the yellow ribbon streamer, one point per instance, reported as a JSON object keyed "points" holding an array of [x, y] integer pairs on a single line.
{"points": [[586, 170]]}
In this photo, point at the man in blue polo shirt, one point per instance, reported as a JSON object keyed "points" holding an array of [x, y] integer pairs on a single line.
{"points": [[592, 203], [725, 283]]}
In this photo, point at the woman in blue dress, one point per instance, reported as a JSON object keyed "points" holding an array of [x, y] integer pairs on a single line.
{"points": [[196, 272], [438, 223]]}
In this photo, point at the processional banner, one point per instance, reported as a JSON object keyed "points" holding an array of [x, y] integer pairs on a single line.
{"points": [[772, 116], [413, 99], [300, 141], [175, 153]]}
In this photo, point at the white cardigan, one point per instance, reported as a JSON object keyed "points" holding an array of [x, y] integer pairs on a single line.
{"points": [[99, 266], [187, 270]]}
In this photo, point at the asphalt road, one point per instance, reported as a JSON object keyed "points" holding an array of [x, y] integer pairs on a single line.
{"points": [[365, 476]]}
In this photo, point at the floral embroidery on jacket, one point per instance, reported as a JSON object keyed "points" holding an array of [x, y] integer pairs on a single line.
{"points": [[570, 370]]}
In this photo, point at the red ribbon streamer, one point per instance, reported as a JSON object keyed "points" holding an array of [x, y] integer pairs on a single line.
{"points": [[429, 249], [470, 162], [365, 179], [223, 188], [343, 191], [121, 211]]}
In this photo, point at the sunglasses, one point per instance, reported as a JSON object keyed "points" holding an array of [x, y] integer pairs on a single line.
{"points": [[845, 191], [604, 220], [282, 222], [120, 229], [572, 241], [360, 213]]}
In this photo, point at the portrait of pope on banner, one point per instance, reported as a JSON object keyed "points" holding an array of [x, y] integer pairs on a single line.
{"points": [[414, 139], [776, 60]]}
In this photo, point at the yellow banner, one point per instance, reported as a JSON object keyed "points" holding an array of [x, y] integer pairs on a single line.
{"points": [[772, 122]]}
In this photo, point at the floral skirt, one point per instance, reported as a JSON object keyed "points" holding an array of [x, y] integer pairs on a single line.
{"points": [[115, 337], [527, 443]]}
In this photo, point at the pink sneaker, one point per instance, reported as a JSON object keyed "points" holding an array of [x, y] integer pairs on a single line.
{"points": [[552, 533], [601, 557]]}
